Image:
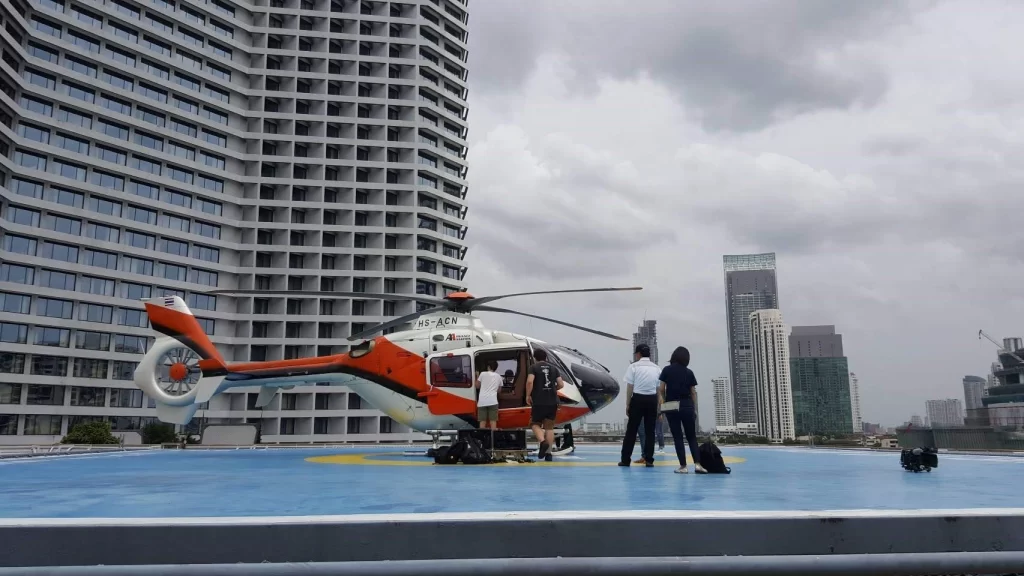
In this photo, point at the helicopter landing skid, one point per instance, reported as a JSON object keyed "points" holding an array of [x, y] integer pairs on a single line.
{"points": [[514, 443]]}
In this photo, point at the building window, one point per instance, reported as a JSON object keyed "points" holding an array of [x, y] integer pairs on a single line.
{"points": [[125, 398], [13, 333], [130, 344], [54, 337], [90, 368], [88, 396], [42, 425], [11, 363], [15, 303], [95, 313], [44, 395], [92, 340], [10, 393], [8, 422], [123, 370], [19, 245], [135, 318], [53, 308], [17, 273]]}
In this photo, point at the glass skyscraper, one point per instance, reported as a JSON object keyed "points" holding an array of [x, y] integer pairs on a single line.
{"points": [[749, 286], [820, 381]]}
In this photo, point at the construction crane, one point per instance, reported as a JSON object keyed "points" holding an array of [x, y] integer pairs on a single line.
{"points": [[981, 334]]}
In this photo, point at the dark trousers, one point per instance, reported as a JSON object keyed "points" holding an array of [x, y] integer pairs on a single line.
{"points": [[679, 420], [641, 408], [659, 433]]}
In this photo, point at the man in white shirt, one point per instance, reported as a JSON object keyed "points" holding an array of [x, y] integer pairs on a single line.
{"points": [[488, 384], [641, 379]]}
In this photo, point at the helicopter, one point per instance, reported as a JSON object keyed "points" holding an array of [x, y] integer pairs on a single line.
{"points": [[422, 377]]}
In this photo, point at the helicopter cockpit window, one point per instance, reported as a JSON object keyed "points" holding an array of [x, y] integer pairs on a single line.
{"points": [[451, 371], [570, 357]]}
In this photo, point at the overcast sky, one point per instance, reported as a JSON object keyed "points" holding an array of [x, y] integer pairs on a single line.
{"points": [[875, 147]]}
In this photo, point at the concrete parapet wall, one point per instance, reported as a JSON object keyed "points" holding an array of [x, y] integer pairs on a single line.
{"points": [[961, 438], [229, 435], [87, 542]]}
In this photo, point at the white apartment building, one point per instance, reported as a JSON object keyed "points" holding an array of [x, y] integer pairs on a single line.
{"points": [[858, 419], [724, 415], [770, 344], [948, 413], [154, 147]]}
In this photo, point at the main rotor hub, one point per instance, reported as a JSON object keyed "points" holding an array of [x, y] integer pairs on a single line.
{"points": [[460, 301], [459, 296]]}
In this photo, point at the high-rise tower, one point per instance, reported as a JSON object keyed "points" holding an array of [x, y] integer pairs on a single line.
{"points": [[647, 333], [723, 402], [858, 419], [820, 380], [974, 391], [947, 413], [749, 286], [773, 393], [154, 147]]}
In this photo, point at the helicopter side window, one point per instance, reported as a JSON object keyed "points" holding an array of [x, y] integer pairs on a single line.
{"points": [[451, 371]]}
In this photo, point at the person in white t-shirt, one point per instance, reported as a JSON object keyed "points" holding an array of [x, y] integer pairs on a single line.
{"points": [[487, 402]]}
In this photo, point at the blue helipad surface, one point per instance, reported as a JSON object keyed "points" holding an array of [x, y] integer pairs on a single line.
{"points": [[374, 479]]}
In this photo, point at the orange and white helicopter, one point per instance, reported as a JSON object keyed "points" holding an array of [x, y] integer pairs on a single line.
{"points": [[422, 377]]}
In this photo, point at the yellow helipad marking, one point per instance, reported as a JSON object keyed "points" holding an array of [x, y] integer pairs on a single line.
{"points": [[382, 459]]}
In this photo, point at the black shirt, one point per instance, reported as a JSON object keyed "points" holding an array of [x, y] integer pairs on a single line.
{"points": [[679, 383], [545, 383]]}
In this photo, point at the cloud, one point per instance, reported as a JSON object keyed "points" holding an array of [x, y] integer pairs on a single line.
{"points": [[896, 221], [735, 66]]}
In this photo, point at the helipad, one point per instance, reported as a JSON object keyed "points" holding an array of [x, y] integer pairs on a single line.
{"points": [[381, 480]]}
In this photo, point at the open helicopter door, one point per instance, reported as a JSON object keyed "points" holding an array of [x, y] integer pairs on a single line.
{"points": [[451, 378]]}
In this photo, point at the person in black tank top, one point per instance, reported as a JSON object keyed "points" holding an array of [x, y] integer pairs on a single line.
{"points": [[542, 386]]}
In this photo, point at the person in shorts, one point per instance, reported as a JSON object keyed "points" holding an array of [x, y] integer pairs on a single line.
{"points": [[542, 386], [488, 384]]}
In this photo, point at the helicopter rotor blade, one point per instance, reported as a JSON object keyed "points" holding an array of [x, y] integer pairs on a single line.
{"points": [[576, 326], [331, 294], [396, 322], [484, 300]]}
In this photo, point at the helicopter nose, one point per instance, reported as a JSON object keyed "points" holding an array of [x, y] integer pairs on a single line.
{"points": [[598, 388]]}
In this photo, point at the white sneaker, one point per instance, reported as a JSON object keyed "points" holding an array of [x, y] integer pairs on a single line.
{"points": [[699, 469], [682, 470], [660, 451]]}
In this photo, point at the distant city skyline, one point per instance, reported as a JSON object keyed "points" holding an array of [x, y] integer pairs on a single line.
{"points": [[750, 285]]}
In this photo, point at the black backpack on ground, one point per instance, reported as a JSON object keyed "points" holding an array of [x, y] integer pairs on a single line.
{"points": [[450, 454], [711, 459], [475, 453]]}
